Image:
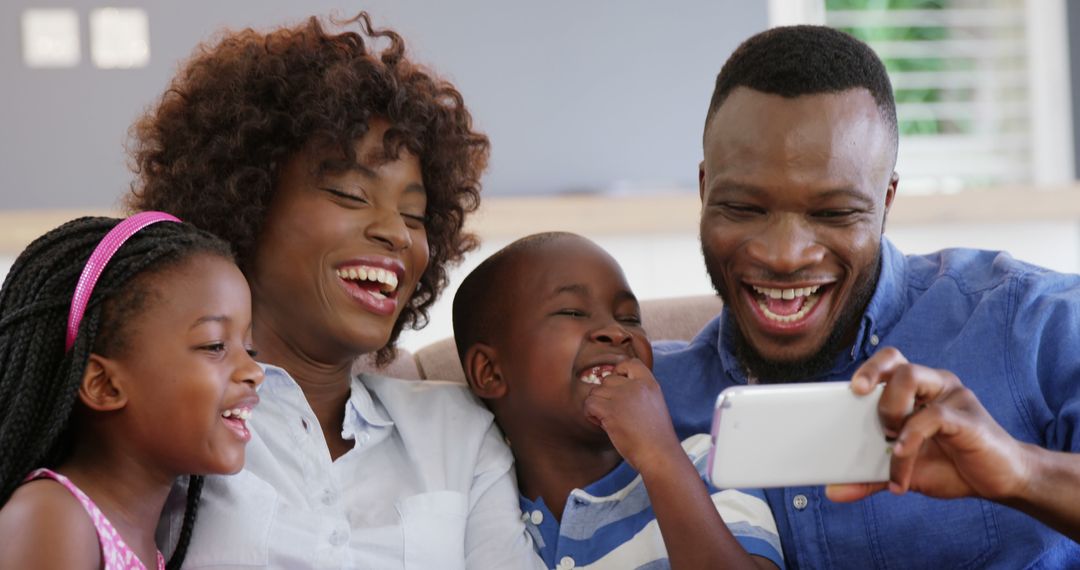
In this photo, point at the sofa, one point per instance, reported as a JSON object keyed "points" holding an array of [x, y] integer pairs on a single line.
{"points": [[675, 318]]}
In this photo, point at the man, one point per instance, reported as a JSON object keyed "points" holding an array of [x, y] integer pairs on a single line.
{"points": [[796, 183]]}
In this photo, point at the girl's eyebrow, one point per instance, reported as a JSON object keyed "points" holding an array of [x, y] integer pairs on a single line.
{"points": [[210, 319]]}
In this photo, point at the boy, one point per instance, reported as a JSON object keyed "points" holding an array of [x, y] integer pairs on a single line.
{"points": [[550, 337]]}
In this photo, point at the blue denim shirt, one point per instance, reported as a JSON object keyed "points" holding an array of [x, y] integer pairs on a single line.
{"points": [[1010, 331]]}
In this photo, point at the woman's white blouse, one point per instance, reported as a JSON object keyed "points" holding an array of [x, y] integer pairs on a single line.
{"points": [[427, 485]]}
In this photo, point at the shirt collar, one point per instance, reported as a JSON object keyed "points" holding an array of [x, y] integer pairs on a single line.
{"points": [[886, 306], [884, 310], [360, 410]]}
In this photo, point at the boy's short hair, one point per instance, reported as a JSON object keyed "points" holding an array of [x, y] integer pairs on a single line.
{"points": [[481, 302]]}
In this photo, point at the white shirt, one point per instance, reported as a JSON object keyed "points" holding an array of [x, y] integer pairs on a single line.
{"points": [[427, 485]]}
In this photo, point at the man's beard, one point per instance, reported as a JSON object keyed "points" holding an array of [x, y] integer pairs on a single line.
{"points": [[770, 371]]}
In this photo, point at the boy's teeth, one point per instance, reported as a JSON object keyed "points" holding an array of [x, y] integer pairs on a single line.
{"points": [[786, 294], [596, 375]]}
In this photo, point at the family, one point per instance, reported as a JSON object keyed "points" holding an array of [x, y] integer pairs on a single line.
{"points": [[176, 388]]}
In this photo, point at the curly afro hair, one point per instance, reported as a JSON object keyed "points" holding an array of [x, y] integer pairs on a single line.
{"points": [[209, 150]]}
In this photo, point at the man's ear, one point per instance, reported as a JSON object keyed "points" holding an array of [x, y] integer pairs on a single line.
{"points": [[99, 389], [482, 372], [890, 194], [701, 181]]}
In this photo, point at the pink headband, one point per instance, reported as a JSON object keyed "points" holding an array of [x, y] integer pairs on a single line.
{"points": [[96, 264]]}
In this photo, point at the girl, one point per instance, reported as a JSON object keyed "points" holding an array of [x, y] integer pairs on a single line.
{"points": [[124, 363]]}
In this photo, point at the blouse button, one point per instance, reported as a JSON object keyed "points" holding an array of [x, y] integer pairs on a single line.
{"points": [[337, 538]]}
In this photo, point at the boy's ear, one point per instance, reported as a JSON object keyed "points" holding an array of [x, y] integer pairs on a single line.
{"points": [[482, 372], [99, 389]]}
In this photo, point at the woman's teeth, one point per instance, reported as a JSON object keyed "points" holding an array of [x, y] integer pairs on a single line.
{"points": [[387, 280], [238, 413]]}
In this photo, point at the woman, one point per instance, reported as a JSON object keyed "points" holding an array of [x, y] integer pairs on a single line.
{"points": [[341, 175]]}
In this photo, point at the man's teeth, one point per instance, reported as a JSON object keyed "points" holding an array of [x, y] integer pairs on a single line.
{"points": [[238, 413], [376, 274], [796, 316], [596, 375], [786, 294]]}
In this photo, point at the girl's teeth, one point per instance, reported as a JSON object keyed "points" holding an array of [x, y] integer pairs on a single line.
{"points": [[238, 413]]}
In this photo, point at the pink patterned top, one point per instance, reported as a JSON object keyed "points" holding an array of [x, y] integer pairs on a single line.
{"points": [[114, 551]]}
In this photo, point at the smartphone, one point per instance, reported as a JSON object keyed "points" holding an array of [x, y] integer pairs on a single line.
{"points": [[784, 435]]}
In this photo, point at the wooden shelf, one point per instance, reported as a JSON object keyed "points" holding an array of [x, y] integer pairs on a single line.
{"points": [[671, 213]]}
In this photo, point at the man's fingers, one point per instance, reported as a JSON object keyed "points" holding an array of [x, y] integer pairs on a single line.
{"points": [[848, 492], [910, 388], [935, 419], [877, 369]]}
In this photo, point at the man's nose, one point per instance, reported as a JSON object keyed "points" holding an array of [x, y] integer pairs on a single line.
{"points": [[786, 245]]}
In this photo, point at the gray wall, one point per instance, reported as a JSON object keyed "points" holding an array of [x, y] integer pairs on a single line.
{"points": [[576, 95]]}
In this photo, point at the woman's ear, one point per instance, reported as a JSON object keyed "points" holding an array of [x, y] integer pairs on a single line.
{"points": [[99, 389], [482, 372]]}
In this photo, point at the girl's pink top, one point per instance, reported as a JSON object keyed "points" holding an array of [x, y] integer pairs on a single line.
{"points": [[114, 551]]}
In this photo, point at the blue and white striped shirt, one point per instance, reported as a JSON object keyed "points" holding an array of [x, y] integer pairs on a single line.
{"points": [[611, 525]]}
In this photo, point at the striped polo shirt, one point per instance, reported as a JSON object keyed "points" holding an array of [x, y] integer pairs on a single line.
{"points": [[611, 525]]}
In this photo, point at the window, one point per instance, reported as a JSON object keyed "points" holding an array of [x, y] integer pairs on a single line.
{"points": [[981, 87]]}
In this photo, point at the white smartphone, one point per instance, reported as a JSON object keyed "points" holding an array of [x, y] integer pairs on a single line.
{"points": [[784, 435]]}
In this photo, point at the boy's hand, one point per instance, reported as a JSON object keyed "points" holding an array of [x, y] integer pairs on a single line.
{"points": [[629, 406]]}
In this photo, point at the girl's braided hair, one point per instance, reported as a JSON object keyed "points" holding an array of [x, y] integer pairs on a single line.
{"points": [[208, 152], [39, 381]]}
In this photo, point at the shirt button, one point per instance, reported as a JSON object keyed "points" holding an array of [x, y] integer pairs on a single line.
{"points": [[799, 502], [365, 438], [328, 497], [874, 340], [566, 563], [337, 538], [536, 517]]}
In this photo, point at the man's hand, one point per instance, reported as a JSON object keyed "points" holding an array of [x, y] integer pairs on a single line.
{"points": [[630, 407], [947, 445]]}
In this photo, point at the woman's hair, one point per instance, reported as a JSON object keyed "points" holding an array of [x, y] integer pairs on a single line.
{"points": [[210, 151], [39, 380]]}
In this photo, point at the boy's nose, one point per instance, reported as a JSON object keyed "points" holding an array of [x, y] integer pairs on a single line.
{"points": [[612, 334]]}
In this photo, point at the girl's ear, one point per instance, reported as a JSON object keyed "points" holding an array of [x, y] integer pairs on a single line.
{"points": [[100, 390], [482, 372]]}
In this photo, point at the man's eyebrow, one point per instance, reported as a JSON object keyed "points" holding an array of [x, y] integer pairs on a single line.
{"points": [[846, 193], [731, 186]]}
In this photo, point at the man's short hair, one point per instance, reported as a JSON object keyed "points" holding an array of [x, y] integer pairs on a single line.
{"points": [[791, 61]]}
